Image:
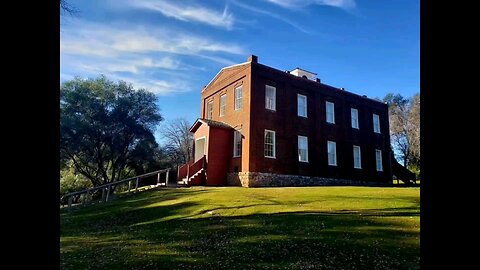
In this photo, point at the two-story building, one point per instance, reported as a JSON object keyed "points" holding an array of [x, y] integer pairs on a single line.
{"points": [[261, 126]]}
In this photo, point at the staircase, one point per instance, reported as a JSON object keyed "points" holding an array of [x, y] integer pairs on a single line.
{"points": [[192, 173]]}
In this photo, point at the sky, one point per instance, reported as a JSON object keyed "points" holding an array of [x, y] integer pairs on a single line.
{"points": [[173, 48]]}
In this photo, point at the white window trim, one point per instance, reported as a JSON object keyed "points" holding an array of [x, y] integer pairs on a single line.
{"points": [[236, 99], [326, 112], [359, 155], [376, 160], [220, 112], [274, 98], [298, 146], [378, 118], [274, 143], [351, 114], [204, 147], [235, 144], [298, 108], [335, 151], [208, 112]]}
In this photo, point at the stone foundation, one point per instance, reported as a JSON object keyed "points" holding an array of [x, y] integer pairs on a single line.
{"points": [[257, 179]]}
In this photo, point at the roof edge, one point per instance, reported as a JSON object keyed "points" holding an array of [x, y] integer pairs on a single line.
{"points": [[210, 123], [225, 68]]}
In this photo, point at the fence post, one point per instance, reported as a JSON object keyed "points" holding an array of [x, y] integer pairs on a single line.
{"points": [[108, 194], [158, 179], [70, 198], [136, 184], [166, 177], [84, 202], [103, 194]]}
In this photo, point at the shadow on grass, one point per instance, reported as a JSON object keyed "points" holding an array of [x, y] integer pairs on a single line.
{"points": [[128, 236]]}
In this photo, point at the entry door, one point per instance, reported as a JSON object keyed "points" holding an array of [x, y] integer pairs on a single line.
{"points": [[199, 148]]}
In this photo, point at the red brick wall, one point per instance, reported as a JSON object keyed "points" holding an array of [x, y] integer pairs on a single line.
{"points": [[219, 155], [226, 83], [287, 125], [253, 119]]}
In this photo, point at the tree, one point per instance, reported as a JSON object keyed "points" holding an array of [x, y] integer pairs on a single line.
{"points": [[414, 116], [70, 181], [179, 141], [106, 127], [405, 127], [66, 7]]}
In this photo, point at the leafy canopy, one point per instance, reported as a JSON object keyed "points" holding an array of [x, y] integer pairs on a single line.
{"points": [[106, 127]]}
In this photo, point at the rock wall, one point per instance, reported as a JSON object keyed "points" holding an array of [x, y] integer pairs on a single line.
{"points": [[257, 179]]}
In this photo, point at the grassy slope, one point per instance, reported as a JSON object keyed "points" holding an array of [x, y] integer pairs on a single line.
{"points": [[240, 228]]}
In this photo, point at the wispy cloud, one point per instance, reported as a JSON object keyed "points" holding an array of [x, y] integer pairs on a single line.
{"points": [[273, 15], [104, 40], [132, 64], [295, 4], [156, 86], [137, 55], [138, 81], [186, 13]]}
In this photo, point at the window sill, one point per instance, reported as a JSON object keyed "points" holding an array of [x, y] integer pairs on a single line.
{"points": [[272, 110], [236, 156], [303, 161], [334, 165], [302, 116], [270, 157]]}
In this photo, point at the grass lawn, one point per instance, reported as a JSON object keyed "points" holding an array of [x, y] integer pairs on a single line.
{"points": [[247, 228]]}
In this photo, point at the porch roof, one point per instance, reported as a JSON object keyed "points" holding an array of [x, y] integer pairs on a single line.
{"points": [[208, 122]]}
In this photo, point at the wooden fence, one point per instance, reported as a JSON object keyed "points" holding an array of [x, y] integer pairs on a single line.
{"points": [[107, 190]]}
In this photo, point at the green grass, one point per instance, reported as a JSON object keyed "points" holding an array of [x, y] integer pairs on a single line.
{"points": [[247, 228]]}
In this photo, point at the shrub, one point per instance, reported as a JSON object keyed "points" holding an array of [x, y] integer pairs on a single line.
{"points": [[71, 181], [416, 170]]}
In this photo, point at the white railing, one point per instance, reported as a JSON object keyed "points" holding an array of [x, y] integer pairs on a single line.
{"points": [[108, 189]]}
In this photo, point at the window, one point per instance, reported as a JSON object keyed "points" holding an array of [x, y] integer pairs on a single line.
{"points": [[238, 98], [269, 143], [270, 97], [332, 153], [302, 149], [330, 112], [357, 159], [210, 109], [378, 157], [302, 105], [223, 104], [237, 143], [376, 123], [354, 113]]}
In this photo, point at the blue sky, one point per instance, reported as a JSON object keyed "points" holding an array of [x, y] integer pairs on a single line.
{"points": [[174, 48]]}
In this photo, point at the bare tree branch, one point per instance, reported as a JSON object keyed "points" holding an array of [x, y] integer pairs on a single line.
{"points": [[179, 141], [67, 8]]}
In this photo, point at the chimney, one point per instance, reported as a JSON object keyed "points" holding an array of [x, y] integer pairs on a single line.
{"points": [[341, 88], [318, 80], [253, 58]]}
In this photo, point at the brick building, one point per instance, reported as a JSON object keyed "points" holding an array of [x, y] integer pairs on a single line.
{"points": [[261, 126]]}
